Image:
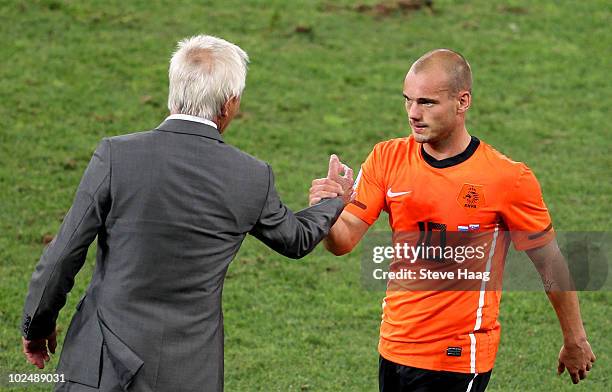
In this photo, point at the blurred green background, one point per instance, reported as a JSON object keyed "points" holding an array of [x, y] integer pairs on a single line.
{"points": [[325, 77]]}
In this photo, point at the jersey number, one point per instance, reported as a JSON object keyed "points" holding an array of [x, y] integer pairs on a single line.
{"points": [[426, 230]]}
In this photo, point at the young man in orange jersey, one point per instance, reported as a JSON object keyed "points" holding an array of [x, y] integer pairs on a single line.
{"points": [[440, 177]]}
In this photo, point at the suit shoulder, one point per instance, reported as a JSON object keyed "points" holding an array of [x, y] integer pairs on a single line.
{"points": [[246, 158], [130, 137]]}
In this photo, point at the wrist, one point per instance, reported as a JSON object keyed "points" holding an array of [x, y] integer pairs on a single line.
{"points": [[575, 340]]}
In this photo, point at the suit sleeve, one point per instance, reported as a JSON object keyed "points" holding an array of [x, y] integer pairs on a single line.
{"points": [[294, 235], [54, 275]]}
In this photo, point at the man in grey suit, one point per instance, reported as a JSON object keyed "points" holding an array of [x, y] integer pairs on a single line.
{"points": [[170, 208]]}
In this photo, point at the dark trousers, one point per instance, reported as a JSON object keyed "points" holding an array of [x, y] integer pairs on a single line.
{"points": [[393, 377]]}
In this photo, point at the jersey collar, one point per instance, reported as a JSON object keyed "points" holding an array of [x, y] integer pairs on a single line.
{"points": [[452, 161]]}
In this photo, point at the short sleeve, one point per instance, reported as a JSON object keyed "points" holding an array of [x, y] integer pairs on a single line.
{"points": [[370, 198], [526, 214]]}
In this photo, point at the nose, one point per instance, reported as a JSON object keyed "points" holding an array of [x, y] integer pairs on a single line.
{"points": [[414, 113]]}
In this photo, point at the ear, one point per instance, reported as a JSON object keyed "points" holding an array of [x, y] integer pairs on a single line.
{"points": [[225, 108], [464, 101]]}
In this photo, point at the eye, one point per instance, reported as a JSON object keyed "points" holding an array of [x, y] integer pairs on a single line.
{"points": [[428, 104]]}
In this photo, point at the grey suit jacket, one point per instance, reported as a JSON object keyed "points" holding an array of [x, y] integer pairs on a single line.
{"points": [[170, 208]]}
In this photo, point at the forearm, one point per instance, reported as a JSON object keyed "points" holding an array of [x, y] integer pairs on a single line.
{"points": [[339, 241], [567, 307], [296, 235], [47, 294], [314, 224], [576, 355], [558, 283]]}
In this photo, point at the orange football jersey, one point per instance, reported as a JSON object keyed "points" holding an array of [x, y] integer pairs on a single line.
{"points": [[480, 191]]}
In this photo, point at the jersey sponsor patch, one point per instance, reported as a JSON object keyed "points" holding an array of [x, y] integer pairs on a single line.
{"points": [[453, 351]]}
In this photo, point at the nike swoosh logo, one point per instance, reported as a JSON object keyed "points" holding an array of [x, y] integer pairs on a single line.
{"points": [[395, 194]]}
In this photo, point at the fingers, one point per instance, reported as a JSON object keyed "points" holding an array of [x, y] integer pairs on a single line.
{"points": [[36, 350], [560, 368], [36, 359], [348, 173], [45, 354], [323, 188], [578, 374], [326, 185], [324, 194], [342, 185], [577, 360], [315, 199], [52, 341], [574, 375], [334, 166]]}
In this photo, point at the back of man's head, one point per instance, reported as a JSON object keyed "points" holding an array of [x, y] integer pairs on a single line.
{"points": [[205, 72]]}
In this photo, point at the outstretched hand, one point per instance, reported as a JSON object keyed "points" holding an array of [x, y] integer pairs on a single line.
{"points": [[36, 350], [339, 182], [577, 359]]}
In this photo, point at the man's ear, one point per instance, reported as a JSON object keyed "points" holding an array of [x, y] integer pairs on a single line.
{"points": [[225, 108], [464, 101]]}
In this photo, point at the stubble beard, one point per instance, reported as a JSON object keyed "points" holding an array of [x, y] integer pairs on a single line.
{"points": [[420, 138], [433, 140]]}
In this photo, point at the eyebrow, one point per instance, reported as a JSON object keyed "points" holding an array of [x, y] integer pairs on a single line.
{"points": [[422, 99]]}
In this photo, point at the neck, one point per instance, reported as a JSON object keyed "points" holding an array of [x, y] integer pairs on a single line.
{"points": [[453, 145], [220, 123], [217, 120]]}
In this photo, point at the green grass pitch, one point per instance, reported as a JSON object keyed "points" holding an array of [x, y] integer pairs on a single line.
{"points": [[325, 77]]}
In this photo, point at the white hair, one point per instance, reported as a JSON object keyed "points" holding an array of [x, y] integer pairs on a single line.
{"points": [[205, 72]]}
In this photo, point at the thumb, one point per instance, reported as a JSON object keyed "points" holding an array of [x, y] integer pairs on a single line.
{"points": [[334, 166]]}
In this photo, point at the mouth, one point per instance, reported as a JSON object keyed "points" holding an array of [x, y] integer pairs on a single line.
{"points": [[418, 127]]}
